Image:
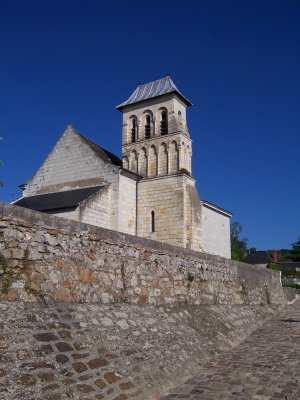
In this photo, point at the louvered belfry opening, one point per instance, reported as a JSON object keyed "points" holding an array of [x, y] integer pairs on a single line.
{"points": [[164, 123], [133, 130], [148, 127]]}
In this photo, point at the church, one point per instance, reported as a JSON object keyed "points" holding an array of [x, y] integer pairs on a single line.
{"points": [[150, 193]]}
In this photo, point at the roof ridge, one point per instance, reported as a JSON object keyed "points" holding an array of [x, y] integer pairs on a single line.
{"points": [[153, 89], [103, 153]]}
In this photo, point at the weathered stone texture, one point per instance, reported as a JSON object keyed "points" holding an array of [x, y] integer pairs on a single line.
{"points": [[142, 351], [127, 202], [65, 260], [60, 169], [265, 366]]}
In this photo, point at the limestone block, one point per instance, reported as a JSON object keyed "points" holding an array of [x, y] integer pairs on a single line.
{"points": [[33, 254]]}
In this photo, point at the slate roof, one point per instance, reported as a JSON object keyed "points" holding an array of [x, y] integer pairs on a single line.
{"points": [[258, 257], [54, 201], [104, 154], [289, 265], [153, 89]]}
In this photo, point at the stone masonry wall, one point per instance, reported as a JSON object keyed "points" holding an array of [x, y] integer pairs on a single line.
{"points": [[165, 197], [127, 205], [97, 210], [44, 256], [70, 164]]}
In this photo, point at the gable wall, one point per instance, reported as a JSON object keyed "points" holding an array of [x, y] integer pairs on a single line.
{"points": [[71, 164]]}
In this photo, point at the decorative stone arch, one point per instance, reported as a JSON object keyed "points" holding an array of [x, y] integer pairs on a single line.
{"points": [[152, 162], [173, 158], [163, 118], [142, 164], [125, 162], [133, 161], [133, 127], [148, 123], [163, 159]]}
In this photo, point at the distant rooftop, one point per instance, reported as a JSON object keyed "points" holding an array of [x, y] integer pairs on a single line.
{"points": [[258, 257], [153, 89]]}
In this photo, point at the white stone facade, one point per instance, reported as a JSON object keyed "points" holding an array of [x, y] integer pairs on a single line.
{"points": [[150, 193], [215, 224]]}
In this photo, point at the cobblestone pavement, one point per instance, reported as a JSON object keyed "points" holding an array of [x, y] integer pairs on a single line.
{"points": [[264, 366]]}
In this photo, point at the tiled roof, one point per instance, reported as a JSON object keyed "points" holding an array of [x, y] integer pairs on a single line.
{"points": [[153, 89], [54, 201], [258, 257]]}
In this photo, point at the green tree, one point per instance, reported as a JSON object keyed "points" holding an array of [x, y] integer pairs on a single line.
{"points": [[238, 246], [295, 252]]}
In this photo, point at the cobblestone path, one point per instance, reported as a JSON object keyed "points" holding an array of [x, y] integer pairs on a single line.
{"points": [[264, 366]]}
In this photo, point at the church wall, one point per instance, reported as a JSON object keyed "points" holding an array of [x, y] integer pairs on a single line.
{"points": [[215, 233], [71, 164], [164, 196], [97, 209], [69, 214], [193, 214], [127, 205]]}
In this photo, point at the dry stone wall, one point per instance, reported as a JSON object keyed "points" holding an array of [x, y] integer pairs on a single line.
{"points": [[43, 256]]}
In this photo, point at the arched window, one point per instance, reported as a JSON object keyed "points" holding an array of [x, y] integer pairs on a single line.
{"points": [[133, 130], [152, 162], [180, 117], [148, 127], [173, 158], [164, 123], [152, 221], [133, 163], [142, 162]]}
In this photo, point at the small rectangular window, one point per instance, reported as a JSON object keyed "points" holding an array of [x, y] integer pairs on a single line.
{"points": [[152, 221]]}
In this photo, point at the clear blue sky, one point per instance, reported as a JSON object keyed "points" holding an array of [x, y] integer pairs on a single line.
{"points": [[66, 61]]}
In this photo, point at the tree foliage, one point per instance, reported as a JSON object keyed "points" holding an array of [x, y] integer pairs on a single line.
{"points": [[238, 245], [295, 252]]}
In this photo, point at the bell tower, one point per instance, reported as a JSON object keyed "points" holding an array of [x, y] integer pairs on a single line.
{"points": [[156, 140], [156, 144]]}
